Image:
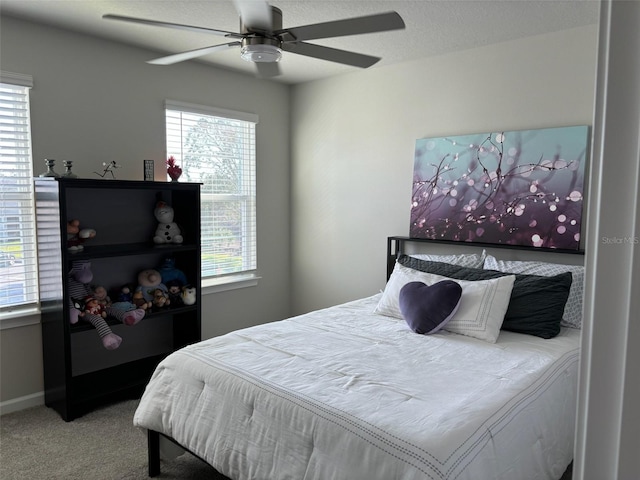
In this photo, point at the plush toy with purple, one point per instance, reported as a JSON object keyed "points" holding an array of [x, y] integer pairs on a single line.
{"points": [[79, 286]]}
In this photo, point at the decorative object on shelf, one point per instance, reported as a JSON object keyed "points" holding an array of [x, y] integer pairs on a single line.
{"points": [[50, 163], [67, 169], [167, 230], [175, 292], [173, 170], [169, 272], [189, 295], [174, 279], [152, 289], [139, 301], [148, 170], [124, 294], [79, 289], [508, 187], [108, 168], [161, 298], [77, 236], [91, 305]]}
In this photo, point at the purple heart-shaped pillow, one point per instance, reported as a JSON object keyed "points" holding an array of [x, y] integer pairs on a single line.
{"points": [[428, 308]]}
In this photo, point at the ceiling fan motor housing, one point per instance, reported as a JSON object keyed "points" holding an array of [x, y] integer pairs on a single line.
{"points": [[261, 49], [259, 46]]}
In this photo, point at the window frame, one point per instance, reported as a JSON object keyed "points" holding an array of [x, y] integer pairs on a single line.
{"points": [[27, 313], [247, 277]]}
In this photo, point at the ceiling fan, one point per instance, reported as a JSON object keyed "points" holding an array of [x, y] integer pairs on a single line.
{"points": [[262, 39]]}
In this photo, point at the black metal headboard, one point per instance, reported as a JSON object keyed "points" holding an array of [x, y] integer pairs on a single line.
{"points": [[396, 246]]}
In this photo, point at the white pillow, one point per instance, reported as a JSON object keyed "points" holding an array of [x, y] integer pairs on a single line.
{"points": [[482, 306], [572, 316], [471, 260]]}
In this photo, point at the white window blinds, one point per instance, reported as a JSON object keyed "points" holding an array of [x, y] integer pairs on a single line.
{"points": [[18, 260], [217, 148]]}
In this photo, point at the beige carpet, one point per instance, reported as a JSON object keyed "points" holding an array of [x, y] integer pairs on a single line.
{"points": [[37, 444]]}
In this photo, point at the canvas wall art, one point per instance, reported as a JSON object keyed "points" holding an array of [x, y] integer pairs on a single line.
{"points": [[522, 188]]}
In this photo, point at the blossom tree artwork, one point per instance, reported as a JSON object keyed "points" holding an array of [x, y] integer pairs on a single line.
{"points": [[521, 188]]}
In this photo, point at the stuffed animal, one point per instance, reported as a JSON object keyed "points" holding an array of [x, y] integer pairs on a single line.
{"points": [[100, 294], [92, 306], [79, 281], [167, 230], [138, 300], [148, 281], [124, 306], [169, 272], [79, 278], [125, 295], [188, 295], [160, 298], [175, 292], [76, 236]]}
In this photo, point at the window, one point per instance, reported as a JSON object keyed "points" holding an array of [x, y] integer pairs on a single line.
{"points": [[217, 148], [18, 260]]}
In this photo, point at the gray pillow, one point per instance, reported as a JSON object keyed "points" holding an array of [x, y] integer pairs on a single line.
{"points": [[573, 309], [536, 304]]}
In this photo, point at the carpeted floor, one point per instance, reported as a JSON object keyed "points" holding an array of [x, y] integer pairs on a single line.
{"points": [[36, 444]]}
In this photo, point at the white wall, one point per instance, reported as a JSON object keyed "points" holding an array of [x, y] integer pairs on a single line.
{"points": [[353, 141], [95, 101]]}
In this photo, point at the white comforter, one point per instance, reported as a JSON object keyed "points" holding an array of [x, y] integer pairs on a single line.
{"points": [[343, 393]]}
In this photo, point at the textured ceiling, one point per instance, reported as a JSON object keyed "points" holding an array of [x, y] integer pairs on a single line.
{"points": [[432, 27]]}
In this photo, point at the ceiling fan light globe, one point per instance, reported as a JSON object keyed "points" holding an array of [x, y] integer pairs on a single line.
{"points": [[261, 53]]}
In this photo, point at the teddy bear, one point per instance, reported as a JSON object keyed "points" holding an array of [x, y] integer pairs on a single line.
{"points": [[160, 298], [138, 300], [79, 287], [167, 230], [77, 236]]}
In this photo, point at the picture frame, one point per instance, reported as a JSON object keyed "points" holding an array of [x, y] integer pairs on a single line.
{"points": [[523, 188], [148, 170]]}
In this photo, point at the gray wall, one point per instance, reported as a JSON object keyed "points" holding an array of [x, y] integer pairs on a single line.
{"points": [[354, 137], [95, 101], [609, 391]]}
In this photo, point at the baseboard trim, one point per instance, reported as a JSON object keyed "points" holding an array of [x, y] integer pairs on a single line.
{"points": [[21, 403]]}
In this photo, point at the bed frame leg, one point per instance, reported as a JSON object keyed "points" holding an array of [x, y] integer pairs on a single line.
{"points": [[153, 450]]}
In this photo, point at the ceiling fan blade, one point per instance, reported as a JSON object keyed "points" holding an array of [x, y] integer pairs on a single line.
{"points": [[255, 14], [268, 69], [155, 23], [198, 52], [330, 54], [351, 26]]}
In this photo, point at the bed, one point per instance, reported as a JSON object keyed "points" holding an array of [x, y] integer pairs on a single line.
{"points": [[351, 392]]}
